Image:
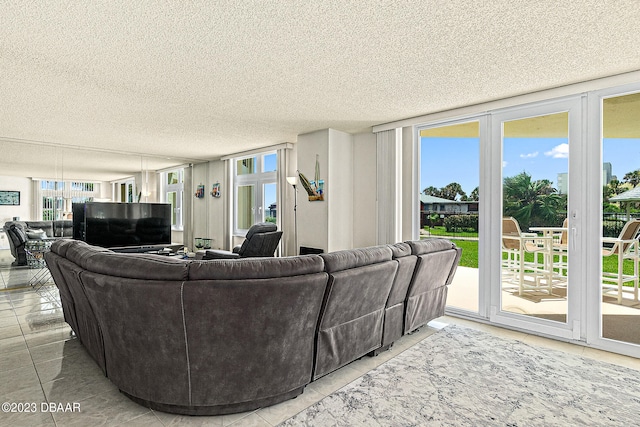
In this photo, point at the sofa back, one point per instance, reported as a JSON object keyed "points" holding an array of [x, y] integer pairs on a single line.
{"points": [[351, 324], [182, 332], [223, 336], [427, 294], [395, 307]]}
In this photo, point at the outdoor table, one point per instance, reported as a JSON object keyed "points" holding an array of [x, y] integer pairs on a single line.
{"points": [[551, 233]]}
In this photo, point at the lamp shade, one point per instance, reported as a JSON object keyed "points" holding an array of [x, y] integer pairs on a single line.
{"points": [[293, 180]]}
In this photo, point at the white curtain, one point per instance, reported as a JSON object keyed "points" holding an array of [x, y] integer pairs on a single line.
{"points": [[389, 185], [187, 207]]}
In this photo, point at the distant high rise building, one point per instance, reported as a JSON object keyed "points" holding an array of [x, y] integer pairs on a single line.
{"points": [[563, 178], [563, 183], [606, 173]]}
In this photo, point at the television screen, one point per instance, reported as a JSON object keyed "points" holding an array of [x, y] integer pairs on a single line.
{"points": [[122, 224]]}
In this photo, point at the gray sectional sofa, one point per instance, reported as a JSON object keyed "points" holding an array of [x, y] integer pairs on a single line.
{"points": [[19, 232], [204, 337]]}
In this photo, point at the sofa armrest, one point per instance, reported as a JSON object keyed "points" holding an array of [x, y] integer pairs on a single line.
{"points": [[218, 254]]}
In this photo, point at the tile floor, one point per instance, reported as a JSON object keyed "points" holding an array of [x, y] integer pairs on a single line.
{"points": [[42, 364]]}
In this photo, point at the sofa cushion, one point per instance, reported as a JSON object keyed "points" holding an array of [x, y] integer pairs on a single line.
{"points": [[46, 226], [426, 246], [254, 268], [36, 234], [400, 250], [61, 246], [137, 266], [352, 258], [62, 228]]}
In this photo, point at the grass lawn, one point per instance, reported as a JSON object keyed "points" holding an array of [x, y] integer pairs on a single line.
{"points": [[442, 231], [470, 257]]}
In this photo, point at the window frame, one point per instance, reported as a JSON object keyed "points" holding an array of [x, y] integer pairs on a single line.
{"points": [[258, 179], [178, 188]]}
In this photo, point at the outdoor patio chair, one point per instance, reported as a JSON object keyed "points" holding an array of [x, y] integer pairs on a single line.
{"points": [[560, 248], [516, 271], [625, 246]]}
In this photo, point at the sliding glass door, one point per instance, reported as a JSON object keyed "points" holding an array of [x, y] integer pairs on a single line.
{"points": [[537, 218], [614, 296], [450, 200], [554, 245]]}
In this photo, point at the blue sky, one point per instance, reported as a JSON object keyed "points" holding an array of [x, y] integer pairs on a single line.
{"points": [[446, 160], [269, 164]]}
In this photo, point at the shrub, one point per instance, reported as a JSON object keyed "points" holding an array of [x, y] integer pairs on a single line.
{"points": [[612, 227], [458, 223]]}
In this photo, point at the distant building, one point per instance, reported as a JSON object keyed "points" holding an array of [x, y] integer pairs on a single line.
{"points": [[563, 178], [563, 183], [444, 207], [606, 173], [272, 211]]}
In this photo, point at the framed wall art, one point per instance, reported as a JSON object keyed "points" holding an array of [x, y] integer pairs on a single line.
{"points": [[10, 198]]}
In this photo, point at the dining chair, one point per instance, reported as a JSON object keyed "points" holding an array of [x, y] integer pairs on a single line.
{"points": [[625, 247], [515, 269]]}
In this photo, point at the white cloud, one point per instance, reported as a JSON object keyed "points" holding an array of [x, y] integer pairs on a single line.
{"points": [[504, 164], [529, 155], [559, 151]]}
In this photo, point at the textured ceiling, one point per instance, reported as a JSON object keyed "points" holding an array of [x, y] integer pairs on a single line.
{"points": [[198, 80]]}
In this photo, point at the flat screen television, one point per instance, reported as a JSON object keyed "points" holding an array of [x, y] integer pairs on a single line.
{"points": [[109, 224]]}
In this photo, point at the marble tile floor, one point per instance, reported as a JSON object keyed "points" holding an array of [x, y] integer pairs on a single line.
{"points": [[41, 363]]}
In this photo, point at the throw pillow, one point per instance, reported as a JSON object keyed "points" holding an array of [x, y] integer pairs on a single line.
{"points": [[36, 234]]}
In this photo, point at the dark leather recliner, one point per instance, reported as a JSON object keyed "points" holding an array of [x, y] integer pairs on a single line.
{"points": [[17, 238], [261, 241]]}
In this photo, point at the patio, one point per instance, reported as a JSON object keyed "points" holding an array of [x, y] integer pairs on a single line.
{"points": [[620, 321]]}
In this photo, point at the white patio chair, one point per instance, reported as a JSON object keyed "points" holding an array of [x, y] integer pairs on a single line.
{"points": [[560, 249], [625, 246], [515, 269]]}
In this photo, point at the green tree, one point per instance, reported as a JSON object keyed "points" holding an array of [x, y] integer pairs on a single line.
{"points": [[431, 191], [616, 186], [475, 195], [452, 191], [531, 202], [613, 188], [632, 178]]}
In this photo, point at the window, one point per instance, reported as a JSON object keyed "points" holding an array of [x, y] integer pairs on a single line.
{"points": [[172, 192], [56, 197], [123, 191], [255, 190]]}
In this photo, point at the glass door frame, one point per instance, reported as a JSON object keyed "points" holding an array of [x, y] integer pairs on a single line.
{"points": [[593, 301], [572, 329], [484, 276]]}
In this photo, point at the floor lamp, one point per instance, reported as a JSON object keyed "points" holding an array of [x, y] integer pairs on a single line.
{"points": [[293, 180]]}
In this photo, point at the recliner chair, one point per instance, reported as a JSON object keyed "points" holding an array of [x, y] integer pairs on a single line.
{"points": [[261, 241]]}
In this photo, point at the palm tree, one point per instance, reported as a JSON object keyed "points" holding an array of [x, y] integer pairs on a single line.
{"points": [[475, 194], [632, 178], [431, 191], [451, 191], [531, 202]]}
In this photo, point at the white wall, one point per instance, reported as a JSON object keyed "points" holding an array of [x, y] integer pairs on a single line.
{"points": [[313, 222], [327, 224], [340, 190], [208, 212], [25, 187]]}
